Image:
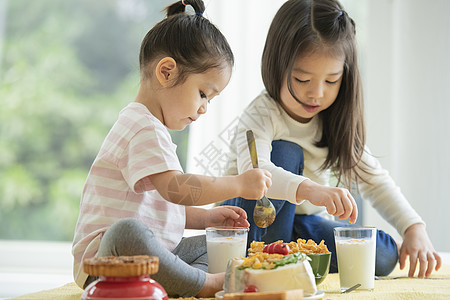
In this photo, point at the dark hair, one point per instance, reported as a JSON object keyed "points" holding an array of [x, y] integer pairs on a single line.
{"points": [[190, 39], [299, 28]]}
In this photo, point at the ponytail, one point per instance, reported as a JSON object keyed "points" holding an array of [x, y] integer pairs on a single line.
{"points": [[191, 40], [180, 7]]}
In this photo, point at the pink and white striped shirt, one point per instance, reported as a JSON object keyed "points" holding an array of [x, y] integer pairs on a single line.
{"points": [[117, 186]]}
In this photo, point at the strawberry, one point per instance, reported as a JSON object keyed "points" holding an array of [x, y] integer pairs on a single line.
{"points": [[279, 248], [251, 289]]}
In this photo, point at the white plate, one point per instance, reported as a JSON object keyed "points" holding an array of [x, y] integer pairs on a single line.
{"points": [[219, 294], [317, 295]]}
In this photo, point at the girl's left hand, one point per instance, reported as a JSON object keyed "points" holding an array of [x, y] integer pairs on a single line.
{"points": [[226, 216], [417, 245]]}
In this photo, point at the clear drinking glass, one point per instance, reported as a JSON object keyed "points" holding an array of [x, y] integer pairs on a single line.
{"points": [[224, 243], [355, 250]]}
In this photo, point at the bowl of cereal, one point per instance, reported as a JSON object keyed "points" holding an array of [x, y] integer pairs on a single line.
{"points": [[320, 258], [320, 264]]}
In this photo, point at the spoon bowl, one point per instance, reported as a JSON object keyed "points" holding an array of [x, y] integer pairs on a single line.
{"points": [[264, 213]]}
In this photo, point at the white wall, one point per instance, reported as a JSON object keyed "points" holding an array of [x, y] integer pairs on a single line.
{"points": [[408, 105], [245, 25]]}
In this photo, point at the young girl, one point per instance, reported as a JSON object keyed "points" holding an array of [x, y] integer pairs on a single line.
{"points": [[136, 200], [309, 125]]}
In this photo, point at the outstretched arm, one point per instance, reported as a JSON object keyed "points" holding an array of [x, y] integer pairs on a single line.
{"points": [[418, 246], [194, 190]]}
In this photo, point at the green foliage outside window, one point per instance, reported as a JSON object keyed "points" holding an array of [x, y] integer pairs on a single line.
{"points": [[66, 70]]}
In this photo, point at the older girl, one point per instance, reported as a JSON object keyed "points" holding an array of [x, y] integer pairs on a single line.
{"points": [[309, 125]]}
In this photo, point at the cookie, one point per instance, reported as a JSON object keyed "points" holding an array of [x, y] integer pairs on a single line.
{"points": [[121, 266]]}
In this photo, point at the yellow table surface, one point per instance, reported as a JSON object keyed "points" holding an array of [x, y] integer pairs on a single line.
{"points": [[435, 287]]}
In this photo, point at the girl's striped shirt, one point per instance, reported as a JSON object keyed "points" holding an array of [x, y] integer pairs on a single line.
{"points": [[117, 186]]}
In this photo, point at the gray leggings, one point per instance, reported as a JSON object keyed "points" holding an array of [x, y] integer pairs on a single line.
{"points": [[182, 272]]}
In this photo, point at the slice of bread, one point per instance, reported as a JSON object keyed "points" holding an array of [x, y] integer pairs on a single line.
{"points": [[284, 295], [291, 276]]}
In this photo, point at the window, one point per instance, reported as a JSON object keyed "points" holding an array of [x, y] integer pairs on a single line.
{"points": [[67, 68]]}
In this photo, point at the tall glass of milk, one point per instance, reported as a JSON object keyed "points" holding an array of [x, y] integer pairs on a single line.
{"points": [[355, 249], [224, 243]]}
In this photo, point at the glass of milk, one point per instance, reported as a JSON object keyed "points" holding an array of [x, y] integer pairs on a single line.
{"points": [[355, 249], [224, 243]]}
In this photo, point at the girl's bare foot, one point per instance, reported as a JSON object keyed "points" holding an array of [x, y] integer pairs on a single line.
{"points": [[213, 284]]}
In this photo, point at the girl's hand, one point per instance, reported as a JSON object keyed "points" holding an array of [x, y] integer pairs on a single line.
{"points": [[338, 201], [226, 216], [254, 183], [417, 245]]}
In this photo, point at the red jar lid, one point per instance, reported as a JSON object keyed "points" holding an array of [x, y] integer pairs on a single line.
{"points": [[123, 277], [129, 288]]}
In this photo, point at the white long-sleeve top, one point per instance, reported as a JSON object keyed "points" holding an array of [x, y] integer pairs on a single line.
{"points": [[269, 122]]}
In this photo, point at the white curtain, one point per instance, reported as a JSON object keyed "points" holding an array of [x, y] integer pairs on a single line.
{"points": [[405, 61], [245, 25], [407, 88]]}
